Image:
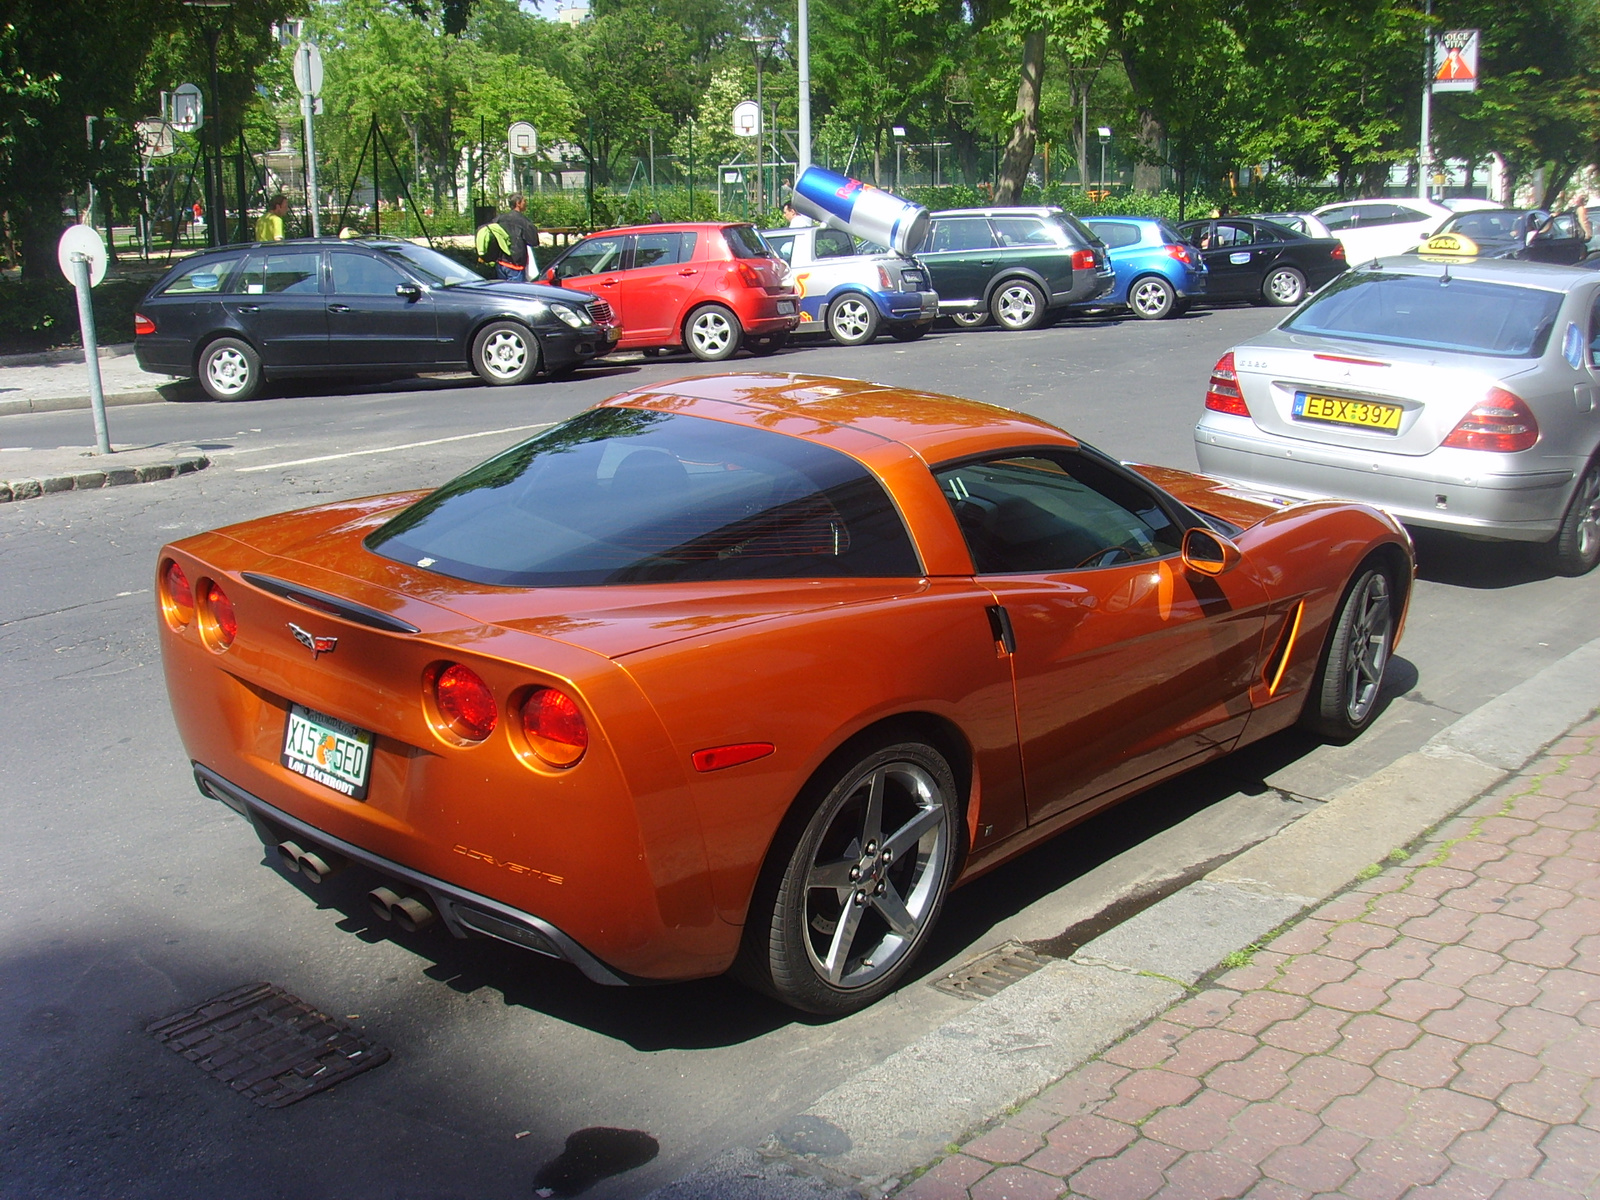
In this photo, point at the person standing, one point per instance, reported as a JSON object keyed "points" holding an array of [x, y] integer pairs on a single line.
{"points": [[269, 225], [520, 261]]}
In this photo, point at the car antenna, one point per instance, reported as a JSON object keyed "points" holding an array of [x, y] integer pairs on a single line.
{"points": [[1445, 278]]}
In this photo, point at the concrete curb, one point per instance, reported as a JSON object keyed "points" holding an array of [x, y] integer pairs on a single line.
{"points": [[48, 404], [30, 489], [863, 1137]]}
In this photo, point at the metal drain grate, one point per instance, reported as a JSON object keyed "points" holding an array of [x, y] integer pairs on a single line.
{"points": [[993, 972], [273, 1047]]}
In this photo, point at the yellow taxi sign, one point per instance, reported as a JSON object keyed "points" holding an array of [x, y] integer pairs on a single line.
{"points": [[1450, 243]]}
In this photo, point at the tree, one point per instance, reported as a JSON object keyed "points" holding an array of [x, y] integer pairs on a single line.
{"points": [[630, 71]]}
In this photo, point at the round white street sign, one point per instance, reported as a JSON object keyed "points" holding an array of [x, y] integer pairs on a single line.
{"points": [[308, 70], [82, 239], [522, 140], [746, 116], [187, 108]]}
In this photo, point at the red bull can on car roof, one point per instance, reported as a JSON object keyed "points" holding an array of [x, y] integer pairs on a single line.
{"points": [[861, 209]]}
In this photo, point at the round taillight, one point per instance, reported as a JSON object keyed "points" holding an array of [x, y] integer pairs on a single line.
{"points": [[465, 702], [555, 729], [177, 595], [221, 625]]}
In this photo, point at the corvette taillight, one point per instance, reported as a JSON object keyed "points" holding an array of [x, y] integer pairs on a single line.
{"points": [[220, 625], [1222, 393], [1181, 253], [142, 324], [1500, 422], [465, 702], [177, 597], [555, 729], [1083, 260]]}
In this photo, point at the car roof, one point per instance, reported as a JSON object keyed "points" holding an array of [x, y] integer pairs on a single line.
{"points": [[933, 426], [1023, 210], [1120, 217], [669, 227], [1406, 201], [1545, 276]]}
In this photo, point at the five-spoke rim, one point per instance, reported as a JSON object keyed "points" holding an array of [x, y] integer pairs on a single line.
{"points": [[504, 353], [228, 370], [711, 332], [850, 319], [876, 874], [969, 318], [1152, 297], [1589, 513], [1367, 651], [1285, 286], [1017, 305]]}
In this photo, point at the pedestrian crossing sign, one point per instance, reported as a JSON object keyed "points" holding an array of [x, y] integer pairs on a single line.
{"points": [[1455, 61]]}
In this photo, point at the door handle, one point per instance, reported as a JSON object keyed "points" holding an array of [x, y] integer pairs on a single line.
{"points": [[247, 308], [1005, 641], [338, 308], [608, 283], [688, 271], [986, 262]]}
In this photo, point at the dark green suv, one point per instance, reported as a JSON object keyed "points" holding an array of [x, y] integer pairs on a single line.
{"points": [[1021, 266]]}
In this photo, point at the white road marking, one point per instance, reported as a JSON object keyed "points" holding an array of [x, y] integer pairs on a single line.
{"points": [[461, 437]]}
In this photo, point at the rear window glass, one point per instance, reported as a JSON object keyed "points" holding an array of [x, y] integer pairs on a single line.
{"points": [[745, 242], [1465, 315], [622, 495], [1079, 233], [1116, 233], [202, 278], [1486, 225]]}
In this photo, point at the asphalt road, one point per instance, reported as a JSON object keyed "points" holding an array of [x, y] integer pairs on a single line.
{"points": [[125, 896]]}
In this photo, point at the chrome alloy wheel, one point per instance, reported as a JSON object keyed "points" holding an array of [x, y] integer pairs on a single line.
{"points": [[970, 319], [850, 319], [1366, 652], [1588, 506], [711, 333], [869, 893], [505, 354], [228, 371], [1016, 306], [1286, 287], [1152, 298]]}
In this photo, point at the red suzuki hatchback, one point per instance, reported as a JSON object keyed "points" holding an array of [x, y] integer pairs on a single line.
{"points": [[709, 286]]}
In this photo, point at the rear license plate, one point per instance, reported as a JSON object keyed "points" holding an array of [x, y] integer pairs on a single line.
{"points": [[785, 307], [911, 281], [1363, 414], [328, 751]]}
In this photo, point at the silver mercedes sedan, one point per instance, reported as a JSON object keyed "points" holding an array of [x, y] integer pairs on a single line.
{"points": [[1457, 395]]}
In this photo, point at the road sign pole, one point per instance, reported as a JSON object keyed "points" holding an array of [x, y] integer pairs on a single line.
{"points": [[1425, 153], [91, 352], [307, 106], [803, 37]]}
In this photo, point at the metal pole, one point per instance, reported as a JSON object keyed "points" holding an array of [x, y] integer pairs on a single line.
{"points": [[691, 170], [217, 216], [91, 352], [1425, 157], [308, 106], [1102, 167], [803, 33], [761, 120], [652, 164]]}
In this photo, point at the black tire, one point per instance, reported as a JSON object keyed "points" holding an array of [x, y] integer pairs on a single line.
{"points": [[1017, 305], [969, 320], [1575, 550], [853, 320], [713, 333], [1283, 287], [761, 347], [1344, 693], [907, 331], [1152, 298], [820, 871], [229, 369], [505, 353]]}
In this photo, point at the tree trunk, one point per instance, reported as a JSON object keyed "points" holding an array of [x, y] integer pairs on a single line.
{"points": [[39, 238], [965, 144], [1147, 171], [1019, 149]]}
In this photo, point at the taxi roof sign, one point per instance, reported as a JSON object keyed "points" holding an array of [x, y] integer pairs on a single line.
{"points": [[1455, 61], [1451, 243]]}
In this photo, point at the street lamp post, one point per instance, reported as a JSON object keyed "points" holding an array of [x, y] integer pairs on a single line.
{"points": [[1105, 140], [803, 62], [899, 132], [757, 40]]}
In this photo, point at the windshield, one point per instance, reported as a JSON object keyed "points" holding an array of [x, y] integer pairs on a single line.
{"points": [[623, 495], [1486, 225], [431, 265], [1439, 313]]}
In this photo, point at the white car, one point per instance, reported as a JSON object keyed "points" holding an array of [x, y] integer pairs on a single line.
{"points": [[1373, 229], [1300, 222], [853, 289]]}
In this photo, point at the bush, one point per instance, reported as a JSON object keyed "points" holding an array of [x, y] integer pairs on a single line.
{"points": [[43, 314]]}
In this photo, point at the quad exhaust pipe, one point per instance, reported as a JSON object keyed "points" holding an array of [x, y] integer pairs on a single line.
{"points": [[316, 865], [410, 912]]}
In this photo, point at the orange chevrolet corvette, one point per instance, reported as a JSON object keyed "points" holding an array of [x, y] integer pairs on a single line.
{"points": [[747, 671]]}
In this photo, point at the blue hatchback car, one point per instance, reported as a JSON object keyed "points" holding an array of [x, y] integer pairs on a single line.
{"points": [[1158, 273]]}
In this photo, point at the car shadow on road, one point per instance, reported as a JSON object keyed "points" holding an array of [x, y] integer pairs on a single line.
{"points": [[1458, 561], [187, 391]]}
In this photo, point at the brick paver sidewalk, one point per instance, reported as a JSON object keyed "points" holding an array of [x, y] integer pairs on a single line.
{"points": [[1434, 1032]]}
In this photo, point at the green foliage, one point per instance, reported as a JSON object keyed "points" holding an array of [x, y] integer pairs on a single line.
{"points": [[42, 313]]}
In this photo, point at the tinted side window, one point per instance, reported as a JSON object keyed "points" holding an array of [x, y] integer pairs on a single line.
{"points": [[1025, 231], [1116, 233], [960, 233], [783, 247], [592, 257], [657, 249], [295, 272], [745, 242], [357, 274], [1339, 218], [1381, 214], [833, 243], [1233, 233], [1033, 513], [203, 278]]}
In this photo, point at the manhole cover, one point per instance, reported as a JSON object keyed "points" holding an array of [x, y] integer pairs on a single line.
{"points": [[273, 1047], [998, 969]]}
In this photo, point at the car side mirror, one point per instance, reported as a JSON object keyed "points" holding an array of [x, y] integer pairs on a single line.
{"points": [[410, 291], [550, 277], [1208, 553]]}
